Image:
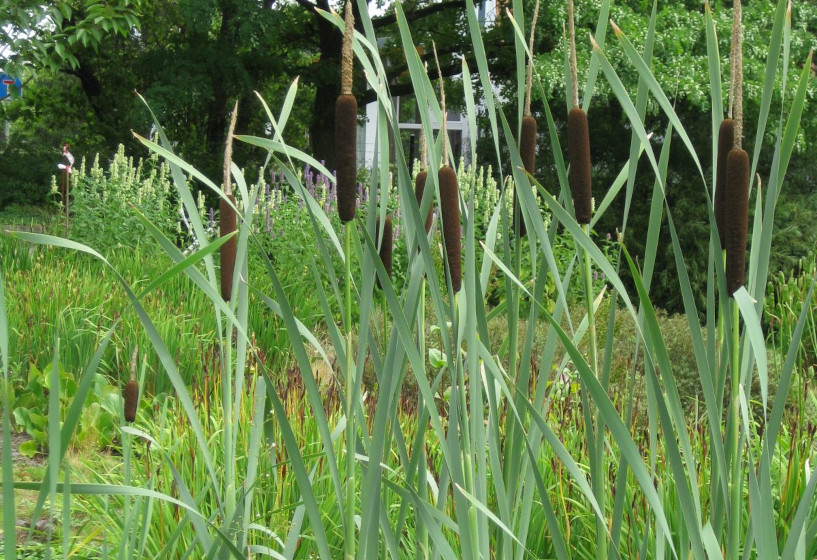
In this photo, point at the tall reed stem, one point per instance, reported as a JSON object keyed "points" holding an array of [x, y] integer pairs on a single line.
{"points": [[735, 489], [422, 486], [597, 471], [349, 541]]}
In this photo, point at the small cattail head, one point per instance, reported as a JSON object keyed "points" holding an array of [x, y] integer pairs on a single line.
{"points": [[726, 140], [736, 217], [346, 155], [450, 209], [527, 144], [385, 245], [527, 150], [226, 226], [578, 140], [131, 394], [419, 189]]}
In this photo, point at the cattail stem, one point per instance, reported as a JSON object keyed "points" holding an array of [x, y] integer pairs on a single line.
{"points": [[529, 76], [574, 65], [346, 69], [443, 128], [737, 72], [595, 433], [349, 541], [736, 480]]}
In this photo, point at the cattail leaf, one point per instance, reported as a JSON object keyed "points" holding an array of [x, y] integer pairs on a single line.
{"points": [[772, 62], [9, 513], [290, 152], [578, 138], [600, 35], [385, 251], [646, 74]]}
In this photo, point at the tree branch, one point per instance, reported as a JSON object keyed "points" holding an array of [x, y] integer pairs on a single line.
{"points": [[406, 88], [418, 14]]}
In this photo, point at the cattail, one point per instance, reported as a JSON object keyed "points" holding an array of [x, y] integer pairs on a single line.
{"points": [[419, 189], [527, 150], [726, 140], [736, 217], [227, 217], [527, 144], [226, 226], [385, 245], [346, 127], [346, 155], [450, 208], [578, 140], [131, 391]]}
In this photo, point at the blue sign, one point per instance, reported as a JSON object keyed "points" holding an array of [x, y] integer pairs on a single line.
{"points": [[10, 86]]}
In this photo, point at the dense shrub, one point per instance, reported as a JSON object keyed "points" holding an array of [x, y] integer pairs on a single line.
{"points": [[103, 201]]}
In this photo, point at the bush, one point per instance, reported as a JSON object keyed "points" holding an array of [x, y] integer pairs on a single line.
{"points": [[103, 201]]}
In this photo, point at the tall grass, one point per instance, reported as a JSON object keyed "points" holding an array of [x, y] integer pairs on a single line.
{"points": [[467, 480]]}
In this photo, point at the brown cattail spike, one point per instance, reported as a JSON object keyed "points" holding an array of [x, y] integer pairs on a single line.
{"points": [[226, 226], [385, 246], [346, 155], [736, 217], [578, 140], [131, 391], [227, 217], [726, 140], [527, 150], [450, 209], [131, 400], [419, 189]]}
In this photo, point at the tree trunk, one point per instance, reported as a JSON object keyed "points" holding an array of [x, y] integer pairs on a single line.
{"points": [[327, 88]]}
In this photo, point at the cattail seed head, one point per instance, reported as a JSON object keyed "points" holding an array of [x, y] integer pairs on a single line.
{"points": [[419, 189], [450, 209], [346, 155], [527, 144], [385, 245], [226, 226], [131, 393], [527, 150], [578, 140], [726, 140], [736, 217]]}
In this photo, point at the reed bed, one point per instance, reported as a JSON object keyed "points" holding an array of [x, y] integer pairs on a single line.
{"points": [[498, 458]]}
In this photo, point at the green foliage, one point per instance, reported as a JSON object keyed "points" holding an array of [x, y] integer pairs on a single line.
{"points": [[51, 35], [103, 202], [98, 424], [785, 295]]}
